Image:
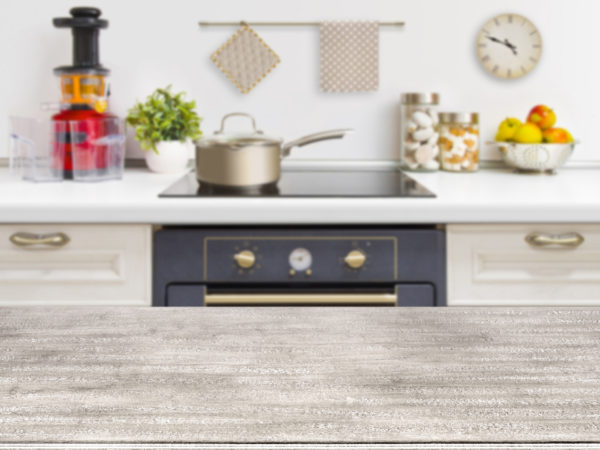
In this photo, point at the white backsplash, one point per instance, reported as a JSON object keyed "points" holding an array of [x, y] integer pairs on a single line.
{"points": [[153, 43]]}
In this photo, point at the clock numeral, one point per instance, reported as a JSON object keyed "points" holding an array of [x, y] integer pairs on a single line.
{"points": [[482, 45], [536, 45], [497, 22], [495, 68], [485, 31], [523, 69], [508, 73], [510, 19], [532, 59], [533, 32], [485, 58]]}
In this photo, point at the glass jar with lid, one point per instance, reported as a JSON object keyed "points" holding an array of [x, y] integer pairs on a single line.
{"points": [[459, 141], [418, 131]]}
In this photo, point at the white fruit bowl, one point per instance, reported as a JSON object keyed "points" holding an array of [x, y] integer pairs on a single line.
{"points": [[543, 158]]}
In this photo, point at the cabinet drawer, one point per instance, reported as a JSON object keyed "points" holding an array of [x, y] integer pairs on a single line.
{"points": [[523, 264], [75, 264]]}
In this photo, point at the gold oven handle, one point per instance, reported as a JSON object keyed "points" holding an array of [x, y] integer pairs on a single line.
{"points": [[385, 299], [21, 239]]}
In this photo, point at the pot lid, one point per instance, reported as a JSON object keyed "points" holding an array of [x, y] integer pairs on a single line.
{"points": [[239, 138]]}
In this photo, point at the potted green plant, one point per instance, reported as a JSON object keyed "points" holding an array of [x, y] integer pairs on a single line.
{"points": [[165, 125]]}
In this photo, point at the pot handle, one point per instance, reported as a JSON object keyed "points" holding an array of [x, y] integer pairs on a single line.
{"points": [[316, 137], [238, 114]]}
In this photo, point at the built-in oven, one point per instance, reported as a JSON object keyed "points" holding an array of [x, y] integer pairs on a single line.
{"points": [[265, 266]]}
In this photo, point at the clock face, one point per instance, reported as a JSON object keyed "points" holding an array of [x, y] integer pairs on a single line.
{"points": [[509, 46], [300, 259]]}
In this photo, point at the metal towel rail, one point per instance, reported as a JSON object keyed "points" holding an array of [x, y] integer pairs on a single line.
{"points": [[281, 24]]}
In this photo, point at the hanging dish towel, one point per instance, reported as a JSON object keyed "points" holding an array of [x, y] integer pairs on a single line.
{"points": [[349, 56], [245, 58]]}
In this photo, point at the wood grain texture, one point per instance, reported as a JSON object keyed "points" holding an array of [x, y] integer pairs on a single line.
{"points": [[311, 446], [350, 375]]}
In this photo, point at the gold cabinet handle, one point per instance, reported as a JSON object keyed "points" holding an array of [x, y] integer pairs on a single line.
{"points": [[571, 240], [22, 239]]}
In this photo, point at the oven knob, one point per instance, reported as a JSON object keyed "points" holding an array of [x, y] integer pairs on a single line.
{"points": [[355, 259], [245, 259]]}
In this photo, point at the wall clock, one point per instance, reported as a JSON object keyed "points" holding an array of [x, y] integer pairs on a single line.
{"points": [[509, 46]]}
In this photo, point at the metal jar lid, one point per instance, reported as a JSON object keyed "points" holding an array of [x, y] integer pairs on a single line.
{"points": [[459, 117], [420, 98]]}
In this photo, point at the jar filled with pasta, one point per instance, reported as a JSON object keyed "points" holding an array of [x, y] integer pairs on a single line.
{"points": [[459, 141]]}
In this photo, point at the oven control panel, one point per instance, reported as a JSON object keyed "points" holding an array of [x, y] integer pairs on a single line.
{"points": [[302, 259]]}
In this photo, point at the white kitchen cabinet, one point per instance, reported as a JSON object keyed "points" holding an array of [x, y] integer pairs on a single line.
{"points": [[523, 264], [75, 264]]}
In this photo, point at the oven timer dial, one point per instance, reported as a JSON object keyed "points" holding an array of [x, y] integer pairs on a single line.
{"points": [[245, 259], [300, 259], [355, 259]]}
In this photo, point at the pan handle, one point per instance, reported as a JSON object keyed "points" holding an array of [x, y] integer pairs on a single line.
{"points": [[316, 137]]}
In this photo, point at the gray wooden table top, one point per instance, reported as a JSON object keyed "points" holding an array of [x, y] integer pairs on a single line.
{"points": [[299, 375]]}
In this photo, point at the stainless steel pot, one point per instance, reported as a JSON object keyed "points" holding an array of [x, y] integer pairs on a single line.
{"points": [[247, 159]]}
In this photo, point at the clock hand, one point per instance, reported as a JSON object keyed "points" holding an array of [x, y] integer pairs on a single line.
{"points": [[505, 42], [511, 46], [494, 39]]}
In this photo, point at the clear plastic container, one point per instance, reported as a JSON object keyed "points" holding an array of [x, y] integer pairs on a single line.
{"points": [[38, 148], [459, 142], [98, 149], [33, 150], [84, 89], [418, 132]]}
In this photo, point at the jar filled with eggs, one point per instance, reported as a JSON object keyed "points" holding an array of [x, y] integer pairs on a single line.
{"points": [[418, 132], [459, 141]]}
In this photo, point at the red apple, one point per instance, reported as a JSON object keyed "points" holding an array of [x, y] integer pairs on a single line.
{"points": [[542, 116], [557, 136]]}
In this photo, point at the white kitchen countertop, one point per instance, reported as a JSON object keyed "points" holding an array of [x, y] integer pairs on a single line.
{"points": [[493, 196]]}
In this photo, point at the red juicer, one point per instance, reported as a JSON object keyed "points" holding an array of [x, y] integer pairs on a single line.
{"points": [[84, 92]]}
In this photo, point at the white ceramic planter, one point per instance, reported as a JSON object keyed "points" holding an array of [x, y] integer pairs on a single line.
{"points": [[173, 156]]}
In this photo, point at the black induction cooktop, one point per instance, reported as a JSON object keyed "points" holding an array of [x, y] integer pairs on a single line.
{"points": [[311, 183]]}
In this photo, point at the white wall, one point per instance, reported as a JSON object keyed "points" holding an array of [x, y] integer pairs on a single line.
{"points": [[153, 43]]}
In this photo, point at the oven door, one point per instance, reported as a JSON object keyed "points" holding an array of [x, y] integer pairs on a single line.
{"points": [[395, 295]]}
